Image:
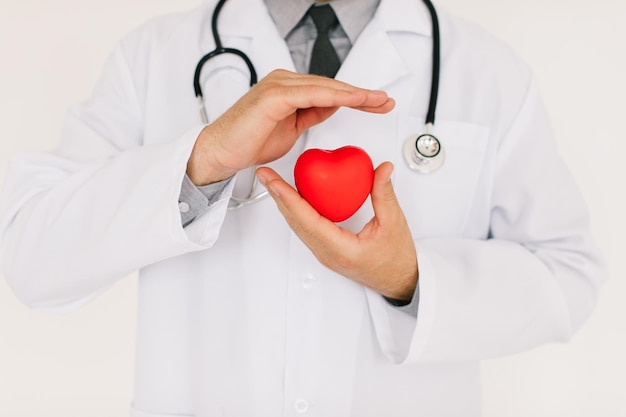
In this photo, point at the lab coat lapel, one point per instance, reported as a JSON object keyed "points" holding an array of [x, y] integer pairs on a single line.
{"points": [[249, 19], [374, 61]]}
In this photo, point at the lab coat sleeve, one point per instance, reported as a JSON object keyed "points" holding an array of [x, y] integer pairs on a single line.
{"points": [[534, 280], [198, 200], [102, 205]]}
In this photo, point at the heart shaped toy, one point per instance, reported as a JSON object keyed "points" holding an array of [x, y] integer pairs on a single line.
{"points": [[335, 182]]}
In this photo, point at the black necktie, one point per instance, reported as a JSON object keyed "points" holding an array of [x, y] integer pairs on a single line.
{"points": [[324, 59]]}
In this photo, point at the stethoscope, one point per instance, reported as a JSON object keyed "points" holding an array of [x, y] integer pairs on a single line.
{"points": [[423, 153]]}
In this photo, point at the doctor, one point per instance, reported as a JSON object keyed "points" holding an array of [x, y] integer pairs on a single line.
{"points": [[271, 310]]}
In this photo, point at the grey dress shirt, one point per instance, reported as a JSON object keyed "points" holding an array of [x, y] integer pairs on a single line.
{"points": [[299, 33]]}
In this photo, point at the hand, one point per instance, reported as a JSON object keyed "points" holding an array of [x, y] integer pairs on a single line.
{"points": [[265, 123], [381, 256]]}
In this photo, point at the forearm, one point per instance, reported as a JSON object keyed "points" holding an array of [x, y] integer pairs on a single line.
{"points": [[85, 229]]}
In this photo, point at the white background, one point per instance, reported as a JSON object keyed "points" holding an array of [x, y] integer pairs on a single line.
{"points": [[81, 364]]}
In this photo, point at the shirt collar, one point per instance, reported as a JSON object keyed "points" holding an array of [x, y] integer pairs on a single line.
{"points": [[353, 15]]}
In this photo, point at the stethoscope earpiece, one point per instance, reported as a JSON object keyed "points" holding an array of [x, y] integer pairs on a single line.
{"points": [[423, 154]]}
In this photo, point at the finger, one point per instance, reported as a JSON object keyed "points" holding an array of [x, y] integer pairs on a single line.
{"points": [[311, 117], [384, 108], [316, 231], [307, 96], [292, 205], [285, 80], [293, 78], [384, 201]]}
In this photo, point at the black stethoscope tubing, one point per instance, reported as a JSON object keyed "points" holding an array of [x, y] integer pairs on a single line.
{"points": [[219, 49], [436, 66], [420, 155]]}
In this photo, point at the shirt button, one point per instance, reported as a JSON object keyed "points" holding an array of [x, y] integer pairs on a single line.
{"points": [[308, 280], [301, 406], [183, 207]]}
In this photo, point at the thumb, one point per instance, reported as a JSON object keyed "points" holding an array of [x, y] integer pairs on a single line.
{"points": [[310, 117], [384, 201]]}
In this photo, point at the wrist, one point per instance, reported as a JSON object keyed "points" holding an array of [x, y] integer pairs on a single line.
{"points": [[403, 292], [203, 167]]}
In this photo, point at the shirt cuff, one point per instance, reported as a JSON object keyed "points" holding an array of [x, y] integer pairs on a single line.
{"points": [[194, 201], [409, 307]]}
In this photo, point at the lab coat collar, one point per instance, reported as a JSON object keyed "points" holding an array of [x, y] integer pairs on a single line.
{"points": [[243, 18], [374, 61], [249, 19], [374, 50], [409, 16], [246, 17]]}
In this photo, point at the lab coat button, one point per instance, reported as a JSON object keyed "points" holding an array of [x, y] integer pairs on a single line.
{"points": [[308, 280], [301, 406], [183, 207]]}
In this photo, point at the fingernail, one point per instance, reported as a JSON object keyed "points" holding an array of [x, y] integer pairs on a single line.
{"points": [[391, 173], [272, 190]]}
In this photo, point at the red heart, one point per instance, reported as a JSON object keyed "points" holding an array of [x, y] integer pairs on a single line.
{"points": [[336, 183]]}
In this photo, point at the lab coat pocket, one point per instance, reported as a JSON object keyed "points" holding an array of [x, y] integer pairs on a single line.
{"points": [[450, 201]]}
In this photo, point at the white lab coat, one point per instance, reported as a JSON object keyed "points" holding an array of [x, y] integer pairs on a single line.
{"points": [[236, 317]]}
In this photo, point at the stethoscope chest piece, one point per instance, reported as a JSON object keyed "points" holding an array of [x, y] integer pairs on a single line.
{"points": [[423, 153]]}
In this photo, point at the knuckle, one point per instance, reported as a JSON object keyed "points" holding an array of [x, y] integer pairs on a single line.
{"points": [[271, 88], [389, 195], [278, 72], [276, 76]]}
